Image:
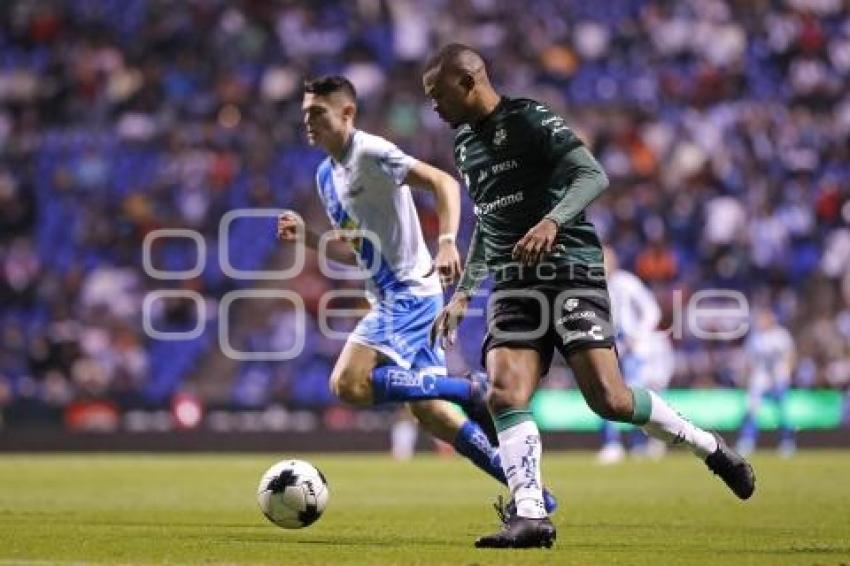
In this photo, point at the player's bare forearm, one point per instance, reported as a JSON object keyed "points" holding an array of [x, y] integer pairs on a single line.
{"points": [[337, 248], [446, 193], [340, 251], [291, 228], [447, 196]]}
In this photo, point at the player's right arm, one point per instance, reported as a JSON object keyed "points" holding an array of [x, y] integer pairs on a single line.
{"points": [[291, 228], [404, 169], [573, 167], [447, 196], [445, 325]]}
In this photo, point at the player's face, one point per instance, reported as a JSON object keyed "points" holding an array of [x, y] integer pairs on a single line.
{"points": [[765, 320], [324, 119], [449, 98]]}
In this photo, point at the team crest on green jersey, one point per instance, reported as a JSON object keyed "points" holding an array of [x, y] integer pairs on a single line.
{"points": [[500, 136]]}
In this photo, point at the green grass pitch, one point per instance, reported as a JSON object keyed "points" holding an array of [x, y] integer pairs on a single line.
{"points": [[200, 509]]}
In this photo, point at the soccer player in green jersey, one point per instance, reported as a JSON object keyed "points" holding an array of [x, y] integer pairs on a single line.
{"points": [[531, 179]]}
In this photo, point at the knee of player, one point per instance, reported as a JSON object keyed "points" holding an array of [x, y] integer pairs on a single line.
{"points": [[501, 398], [351, 388]]}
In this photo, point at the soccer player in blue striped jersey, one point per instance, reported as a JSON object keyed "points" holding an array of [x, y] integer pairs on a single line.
{"points": [[364, 185]]}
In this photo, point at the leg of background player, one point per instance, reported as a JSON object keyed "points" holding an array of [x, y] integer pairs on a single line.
{"points": [[787, 441], [748, 436], [403, 436], [612, 451]]}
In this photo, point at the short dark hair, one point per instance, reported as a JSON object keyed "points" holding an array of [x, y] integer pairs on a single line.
{"points": [[456, 54], [329, 84]]}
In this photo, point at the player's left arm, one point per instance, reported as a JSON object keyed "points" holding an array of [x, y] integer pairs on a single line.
{"points": [[573, 165], [446, 192]]}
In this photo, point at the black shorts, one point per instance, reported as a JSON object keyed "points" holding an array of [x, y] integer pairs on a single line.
{"points": [[569, 312]]}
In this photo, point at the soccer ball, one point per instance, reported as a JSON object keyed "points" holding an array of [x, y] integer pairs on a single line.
{"points": [[293, 494]]}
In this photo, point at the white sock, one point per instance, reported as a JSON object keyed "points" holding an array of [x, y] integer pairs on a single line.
{"points": [[520, 449], [671, 427], [403, 439]]}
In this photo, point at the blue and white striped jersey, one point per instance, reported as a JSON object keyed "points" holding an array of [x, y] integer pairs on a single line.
{"points": [[365, 191], [769, 351]]}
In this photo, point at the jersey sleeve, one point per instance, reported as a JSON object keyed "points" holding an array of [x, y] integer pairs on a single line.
{"points": [[583, 180], [550, 134], [475, 269], [389, 158]]}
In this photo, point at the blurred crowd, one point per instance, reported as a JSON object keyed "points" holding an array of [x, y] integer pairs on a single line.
{"points": [[723, 125]]}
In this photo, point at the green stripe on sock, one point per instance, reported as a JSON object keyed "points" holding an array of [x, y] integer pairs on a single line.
{"points": [[513, 417], [643, 406]]}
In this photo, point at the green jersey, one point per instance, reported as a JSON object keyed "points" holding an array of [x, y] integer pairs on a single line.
{"points": [[521, 164]]}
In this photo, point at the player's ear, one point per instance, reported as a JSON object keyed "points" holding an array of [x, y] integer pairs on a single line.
{"points": [[467, 81], [349, 110]]}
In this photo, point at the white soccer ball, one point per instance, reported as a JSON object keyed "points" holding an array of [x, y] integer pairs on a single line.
{"points": [[293, 494]]}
